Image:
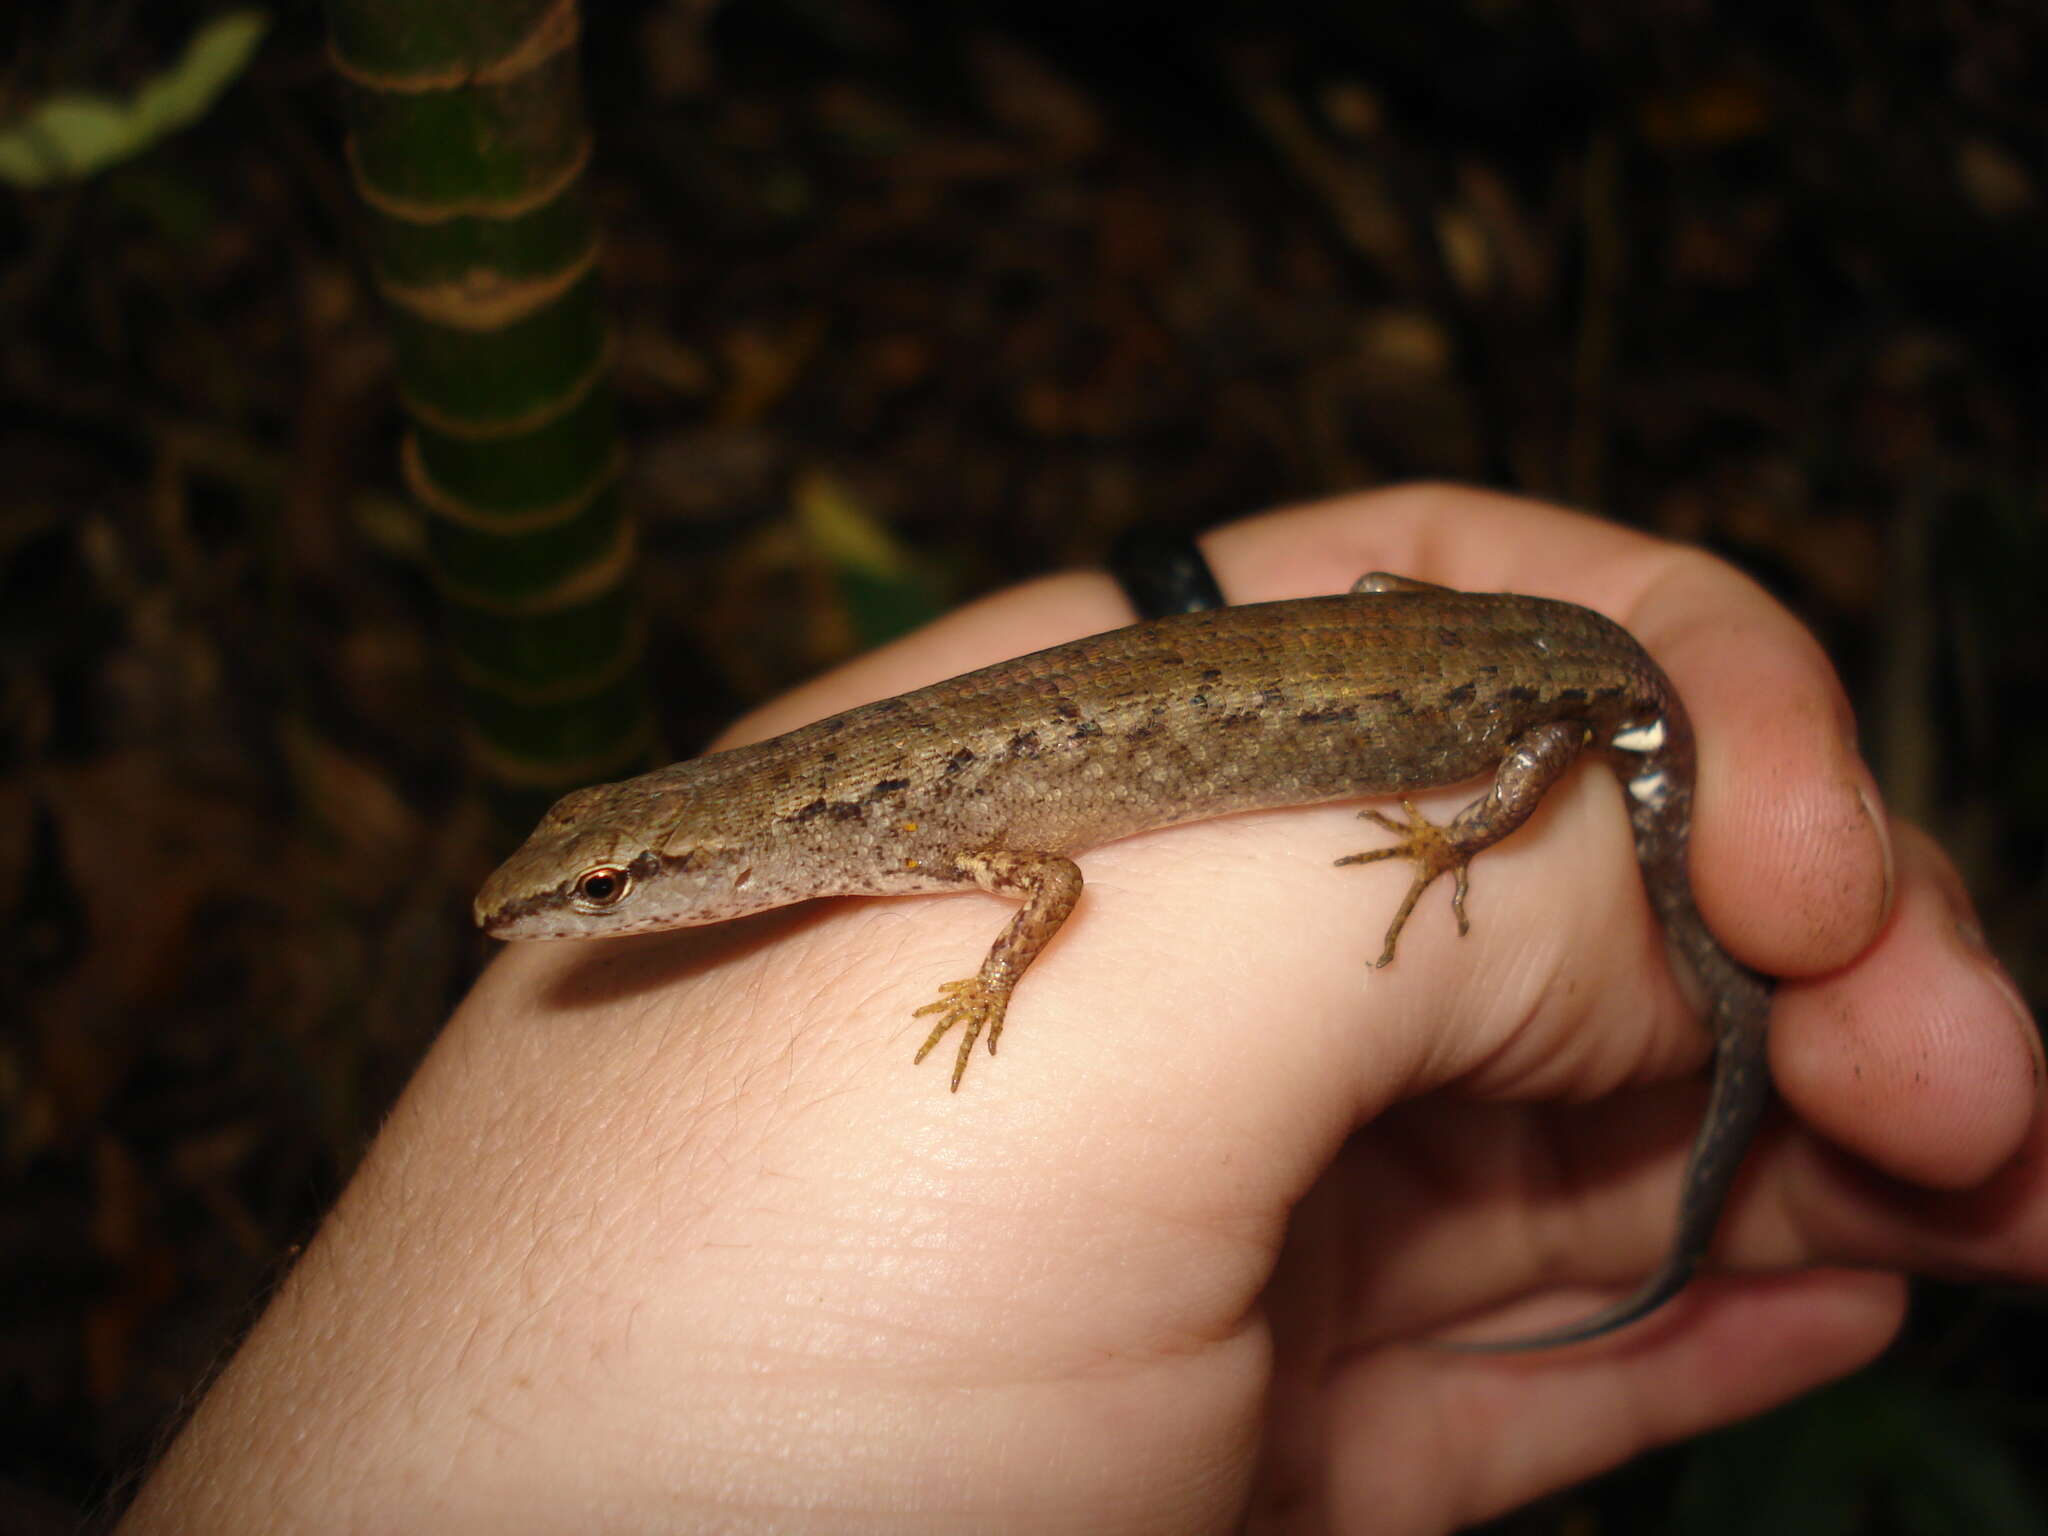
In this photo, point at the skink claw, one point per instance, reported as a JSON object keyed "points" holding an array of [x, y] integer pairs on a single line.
{"points": [[974, 1003]]}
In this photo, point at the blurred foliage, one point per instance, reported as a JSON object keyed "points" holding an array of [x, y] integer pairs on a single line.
{"points": [[73, 134]]}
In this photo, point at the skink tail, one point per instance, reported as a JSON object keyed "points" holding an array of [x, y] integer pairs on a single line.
{"points": [[1657, 1290], [1741, 1092]]}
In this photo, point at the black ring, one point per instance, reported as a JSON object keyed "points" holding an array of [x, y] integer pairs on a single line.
{"points": [[1163, 573]]}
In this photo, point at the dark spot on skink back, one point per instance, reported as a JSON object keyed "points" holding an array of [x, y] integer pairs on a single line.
{"points": [[836, 810]]}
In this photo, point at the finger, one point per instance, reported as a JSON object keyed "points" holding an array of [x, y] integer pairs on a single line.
{"points": [[1931, 1068], [1497, 1431], [1921, 1059], [1918, 1060]]}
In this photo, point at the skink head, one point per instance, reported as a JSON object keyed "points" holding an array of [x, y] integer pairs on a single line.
{"points": [[615, 859], [569, 877]]}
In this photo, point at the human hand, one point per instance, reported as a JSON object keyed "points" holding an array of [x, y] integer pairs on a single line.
{"points": [[668, 1234]]}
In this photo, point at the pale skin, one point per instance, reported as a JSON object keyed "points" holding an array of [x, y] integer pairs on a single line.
{"points": [[668, 1233]]}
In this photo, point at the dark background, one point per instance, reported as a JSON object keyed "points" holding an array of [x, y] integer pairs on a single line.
{"points": [[990, 283]]}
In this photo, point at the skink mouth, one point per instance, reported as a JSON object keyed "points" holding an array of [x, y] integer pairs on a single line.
{"points": [[490, 910], [496, 925], [505, 916]]}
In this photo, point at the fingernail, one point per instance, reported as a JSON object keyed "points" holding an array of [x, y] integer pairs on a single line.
{"points": [[1880, 826]]}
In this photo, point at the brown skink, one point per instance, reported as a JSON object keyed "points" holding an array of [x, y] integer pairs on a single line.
{"points": [[997, 778]]}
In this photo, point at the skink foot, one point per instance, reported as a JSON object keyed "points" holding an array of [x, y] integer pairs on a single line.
{"points": [[1433, 850], [975, 1004]]}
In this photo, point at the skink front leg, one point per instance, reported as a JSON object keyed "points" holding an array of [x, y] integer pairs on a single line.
{"points": [[1048, 885]]}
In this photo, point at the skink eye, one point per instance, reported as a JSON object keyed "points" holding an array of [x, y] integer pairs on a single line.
{"points": [[602, 888]]}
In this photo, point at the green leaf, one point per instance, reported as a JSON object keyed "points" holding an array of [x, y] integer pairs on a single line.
{"points": [[885, 590], [73, 135]]}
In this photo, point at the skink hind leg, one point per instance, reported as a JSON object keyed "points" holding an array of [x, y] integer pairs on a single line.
{"points": [[1048, 885], [1537, 760]]}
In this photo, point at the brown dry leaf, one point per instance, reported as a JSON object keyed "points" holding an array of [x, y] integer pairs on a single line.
{"points": [[143, 855], [1706, 117], [350, 798], [764, 367], [1028, 96], [1994, 179], [146, 1267], [1406, 340]]}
